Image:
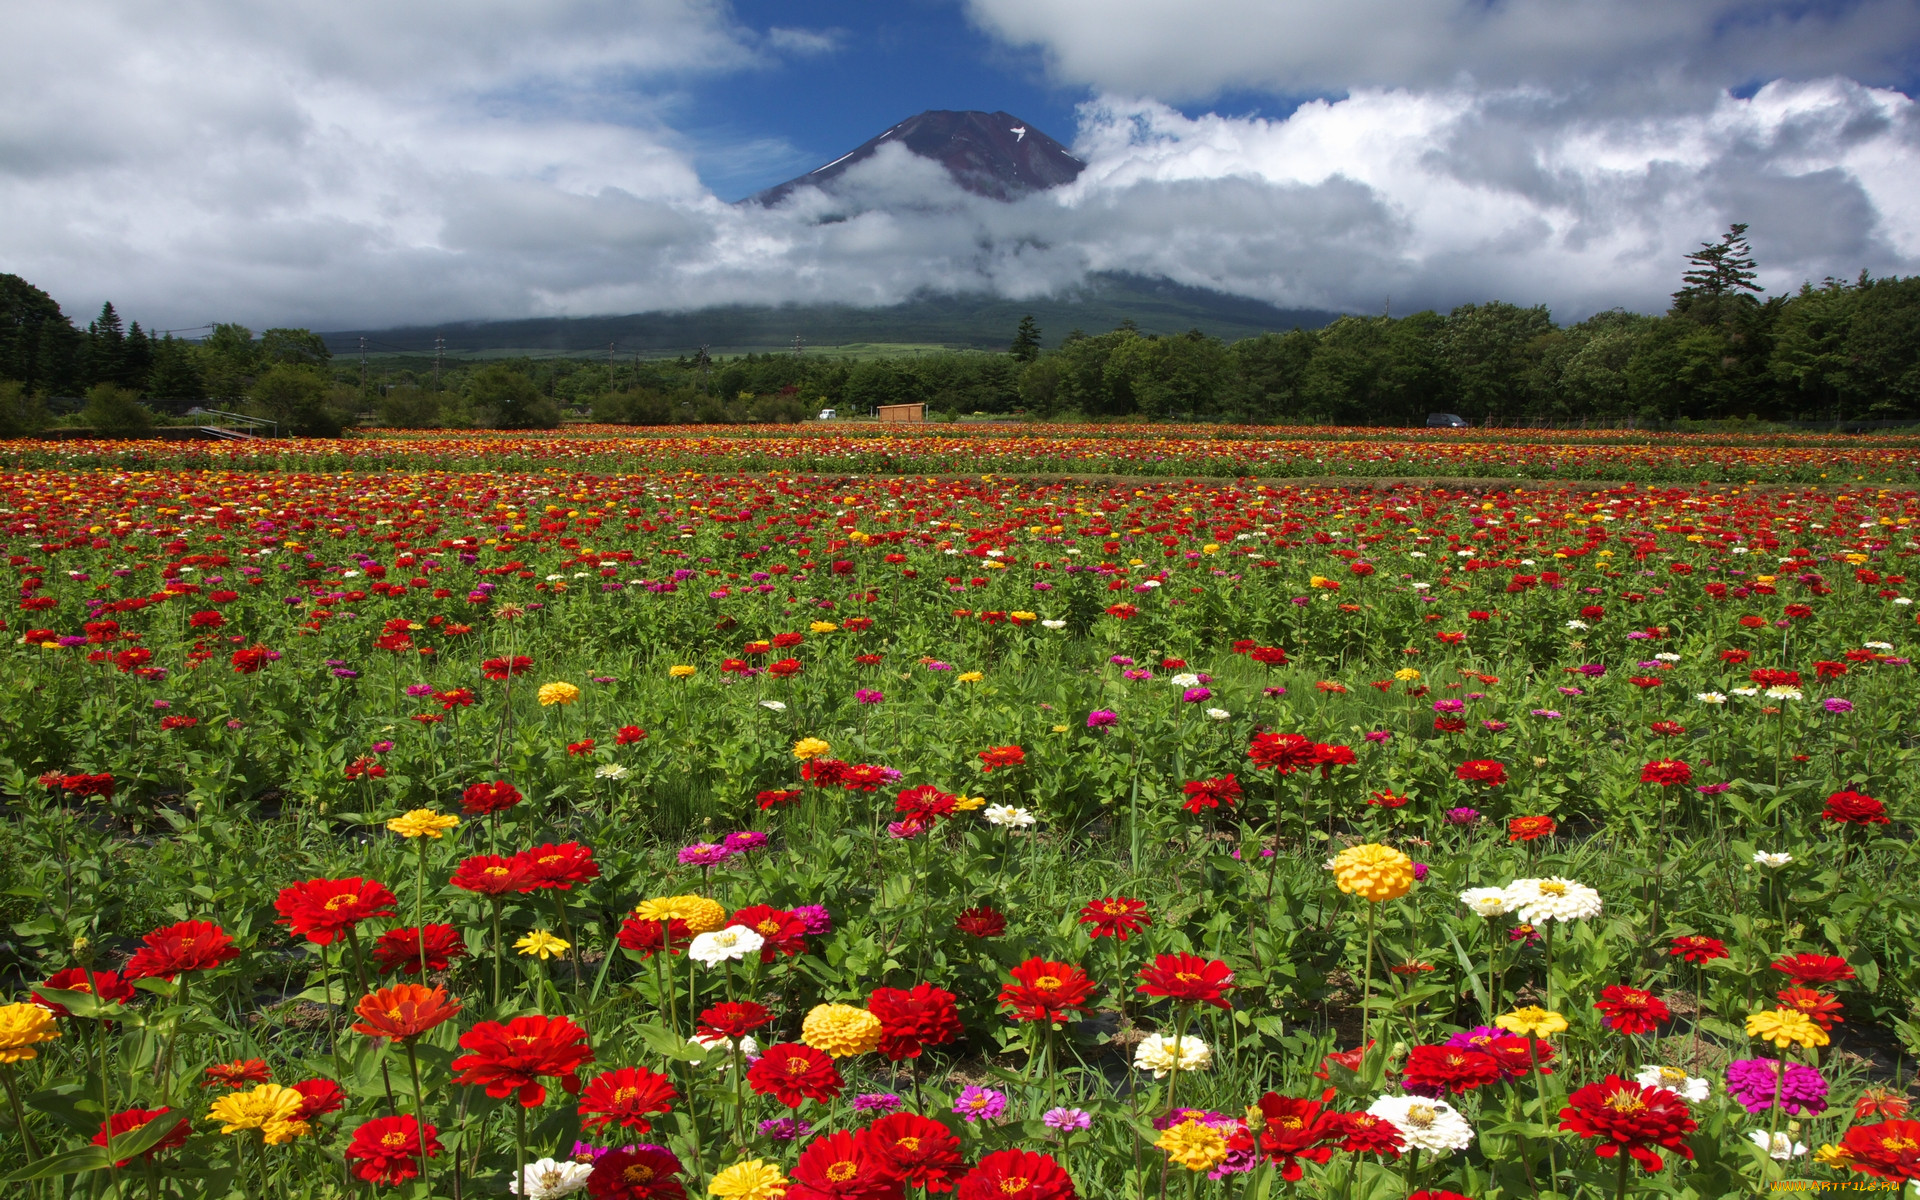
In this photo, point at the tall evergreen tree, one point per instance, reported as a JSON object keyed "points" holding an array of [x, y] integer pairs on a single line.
{"points": [[1725, 269], [106, 351], [1026, 340]]}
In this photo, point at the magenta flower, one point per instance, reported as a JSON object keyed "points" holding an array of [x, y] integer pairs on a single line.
{"points": [[869, 696], [1195, 695], [876, 1102], [704, 854], [1101, 718], [815, 917], [743, 841], [1462, 816], [1379, 736], [1751, 1083], [977, 1103]]}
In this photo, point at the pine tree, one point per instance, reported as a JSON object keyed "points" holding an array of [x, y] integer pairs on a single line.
{"points": [[1026, 340], [1720, 270], [106, 350]]}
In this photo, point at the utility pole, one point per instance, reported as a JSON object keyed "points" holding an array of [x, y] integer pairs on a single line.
{"points": [[439, 347], [706, 365], [799, 345], [363, 368]]}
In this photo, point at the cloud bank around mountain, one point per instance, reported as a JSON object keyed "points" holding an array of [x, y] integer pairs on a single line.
{"points": [[346, 165]]}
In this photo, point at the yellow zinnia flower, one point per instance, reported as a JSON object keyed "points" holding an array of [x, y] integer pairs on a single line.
{"points": [[1532, 1021], [840, 1030], [1406, 674], [544, 944], [423, 822], [22, 1027], [1019, 617], [1194, 1146], [1786, 1027], [755, 1179], [1830, 1155], [558, 693], [701, 914], [809, 747], [1373, 872], [969, 803], [270, 1108], [969, 677], [681, 671], [822, 627]]}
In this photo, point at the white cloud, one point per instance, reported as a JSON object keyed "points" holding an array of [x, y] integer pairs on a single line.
{"points": [[1184, 49], [214, 165]]}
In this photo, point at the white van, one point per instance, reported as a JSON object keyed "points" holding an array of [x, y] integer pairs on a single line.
{"points": [[828, 414]]}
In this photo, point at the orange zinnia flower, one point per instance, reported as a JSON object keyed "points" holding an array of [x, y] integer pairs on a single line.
{"points": [[404, 1011]]}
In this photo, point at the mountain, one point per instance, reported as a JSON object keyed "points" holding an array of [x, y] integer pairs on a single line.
{"points": [[963, 321], [992, 154]]}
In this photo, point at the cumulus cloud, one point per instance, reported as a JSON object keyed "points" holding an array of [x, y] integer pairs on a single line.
{"points": [[1183, 49], [287, 175]]}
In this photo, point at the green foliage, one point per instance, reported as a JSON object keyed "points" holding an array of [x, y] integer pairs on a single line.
{"points": [[115, 411], [510, 400]]}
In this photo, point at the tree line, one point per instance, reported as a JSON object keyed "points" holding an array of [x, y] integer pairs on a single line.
{"points": [[1834, 351]]}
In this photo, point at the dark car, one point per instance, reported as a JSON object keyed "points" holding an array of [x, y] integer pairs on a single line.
{"points": [[1445, 421]]}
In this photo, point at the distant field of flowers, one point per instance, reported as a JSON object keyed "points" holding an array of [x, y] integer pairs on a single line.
{"points": [[1170, 450], [626, 815]]}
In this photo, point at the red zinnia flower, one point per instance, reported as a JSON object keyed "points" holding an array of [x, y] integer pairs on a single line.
{"points": [[1350, 1059], [636, 1173], [235, 1074], [577, 749], [776, 797], [1187, 978], [1526, 829], [627, 1095], [784, 933], [1210, 793], [1698, 948], [512, 1057], [843, 1166], [1667, 772], [1668, 728], [1429, 1194], [1001, 756], [128, 1120], [1481, 770], [1043, 990], [793, 1073], [628, 735], [1627, 1116], [386, 1150], [1887, 1150], [320, 910], [489, 874], [1516, 1058], [482, 799], [1880, 1102], [921, 1152], [406, 948], [320, 1097], [1823, 1010], [560, 866], [186, 946], [783, 641], [501, 668], [1813, 968], [104, 984], [1285, 753], [1016, 1175], [1387, 799], [784, 669], [643, 937], [404, 1011], [1364, 1133], [1271, 656], [1117, 917], [1431, 1070], [1628, 1010], [1854, 808], [1294, 1129], [733, 1019], [981, 921], [923, 1015]]}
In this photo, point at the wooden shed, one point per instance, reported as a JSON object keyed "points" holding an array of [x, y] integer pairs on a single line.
{"points": [[911, 414]]}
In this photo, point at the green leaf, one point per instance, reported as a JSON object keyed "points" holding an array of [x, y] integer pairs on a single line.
{"points": [[73, 1162]]}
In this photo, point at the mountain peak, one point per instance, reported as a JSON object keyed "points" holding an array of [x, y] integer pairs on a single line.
{"points": [[992, 154]]}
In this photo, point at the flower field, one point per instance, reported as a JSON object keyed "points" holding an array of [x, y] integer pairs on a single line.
{"points": [[602, 816]]}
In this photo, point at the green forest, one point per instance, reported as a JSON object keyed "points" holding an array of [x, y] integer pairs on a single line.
{"points": [[1836, 351]]}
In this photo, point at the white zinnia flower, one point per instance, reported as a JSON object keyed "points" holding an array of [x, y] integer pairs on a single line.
{"points": [[1552, 899], [1578, 626], [1008, 815], [1156, 1054], [1184, 680], [1664, 656], [550, 1179], [1681, 1084], [749, 1049], [1424, 1124], [1783, 1146], [1218, 714], [1746, 691], [1776, 858], [1710, 697], [1488, 902], [1053, 624], [731, 944], [1877, 645], [774, 705], [612, 771], [1781, 691]]}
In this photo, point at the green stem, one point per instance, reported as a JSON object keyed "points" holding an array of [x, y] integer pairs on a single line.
{"points": [[419, 1115], [19, 1115]]}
